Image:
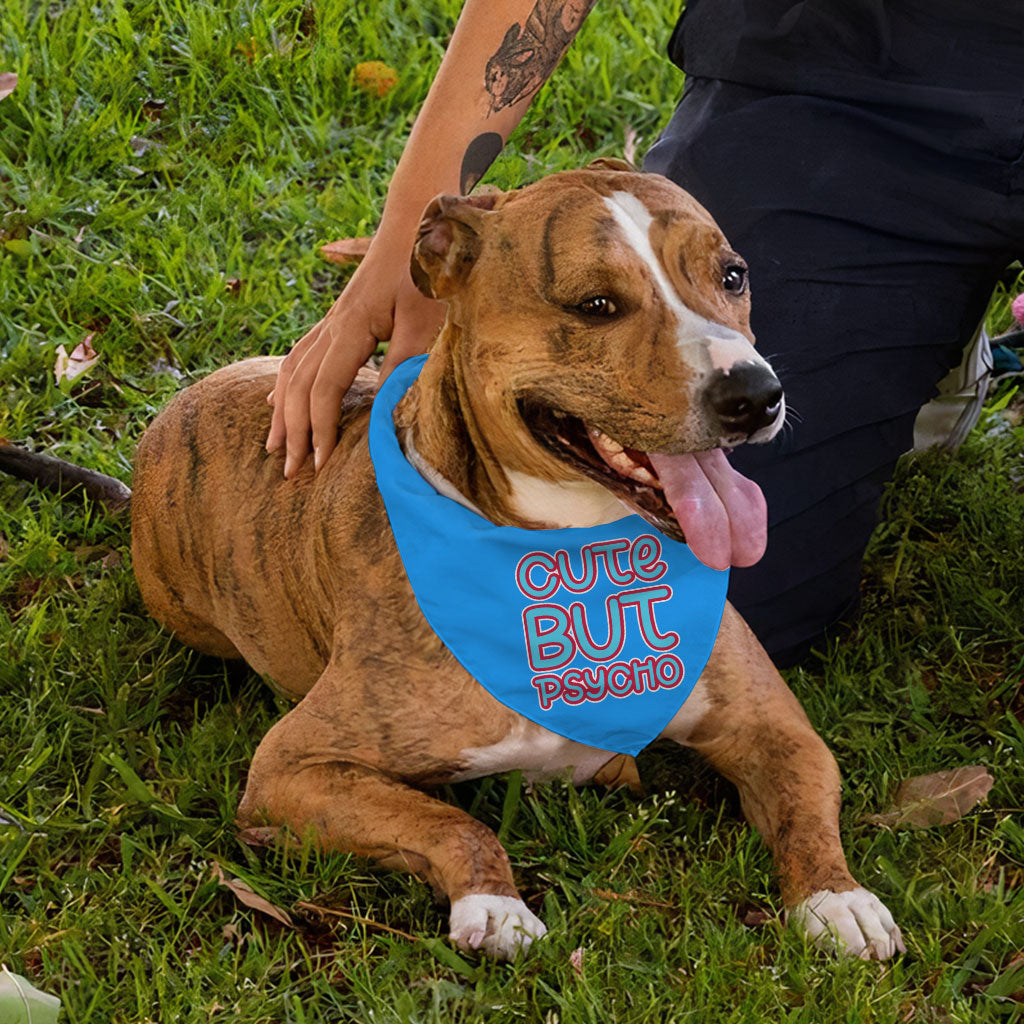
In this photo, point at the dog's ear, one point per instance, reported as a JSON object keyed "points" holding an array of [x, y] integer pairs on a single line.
{"points": [[610, 163], [449, 242]]}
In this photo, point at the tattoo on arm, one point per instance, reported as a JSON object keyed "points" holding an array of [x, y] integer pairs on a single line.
{"points": [[480, 154], [529, 52]]}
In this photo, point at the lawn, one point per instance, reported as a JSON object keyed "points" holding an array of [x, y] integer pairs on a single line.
{"points": [[168, 169]]}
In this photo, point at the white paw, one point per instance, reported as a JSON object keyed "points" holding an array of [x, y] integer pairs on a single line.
{"points": [[855, 922], [499, 925]]}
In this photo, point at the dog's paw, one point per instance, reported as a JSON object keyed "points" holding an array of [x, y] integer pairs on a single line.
{"points": [[855, 922], [501, 926]]}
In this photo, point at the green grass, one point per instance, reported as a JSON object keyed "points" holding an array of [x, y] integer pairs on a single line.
{"points": [[153, 152]]}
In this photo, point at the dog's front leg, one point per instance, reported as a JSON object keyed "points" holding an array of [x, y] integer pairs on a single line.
{"points": [[747, 723], [300, 780]]}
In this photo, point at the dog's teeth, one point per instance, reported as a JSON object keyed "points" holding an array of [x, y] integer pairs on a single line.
{"points": [[615, 456], [603, 443]]}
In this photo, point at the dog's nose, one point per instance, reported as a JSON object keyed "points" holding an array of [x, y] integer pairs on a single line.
{"points": [[744, 399]]}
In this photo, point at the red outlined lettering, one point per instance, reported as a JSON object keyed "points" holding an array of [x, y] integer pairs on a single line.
{"points": [[621, 679], [616, 631], [624, 672], [668, 671], [644, 600], [645, 559], [588, 566], [609, 550], [549, 689], [536, 560], [573, 689], [538, 638]]}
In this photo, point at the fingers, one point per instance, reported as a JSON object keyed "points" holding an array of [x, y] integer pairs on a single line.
{"points": [[314, 376], [276, 435], [316, 386], [334, 377]]}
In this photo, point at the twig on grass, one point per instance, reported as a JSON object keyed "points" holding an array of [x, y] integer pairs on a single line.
{"points": [[60, 477], [628, 897], [349, 916]]}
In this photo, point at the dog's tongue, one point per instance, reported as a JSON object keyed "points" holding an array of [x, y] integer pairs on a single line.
{"points": [[722, 514]]}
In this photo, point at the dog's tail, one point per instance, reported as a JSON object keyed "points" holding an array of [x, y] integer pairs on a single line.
{"points": [[60, 477]]}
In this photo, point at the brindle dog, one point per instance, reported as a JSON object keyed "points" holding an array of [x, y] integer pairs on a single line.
{"points": [[598, 323]]}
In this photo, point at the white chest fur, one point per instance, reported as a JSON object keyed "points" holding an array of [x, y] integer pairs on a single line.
{"points": [[541, 754]]}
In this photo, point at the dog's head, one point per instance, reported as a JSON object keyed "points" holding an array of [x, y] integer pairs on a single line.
{"points": [[600, 322]]}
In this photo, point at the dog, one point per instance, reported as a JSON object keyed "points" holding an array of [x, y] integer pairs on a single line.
{"points": [[596, 358]]}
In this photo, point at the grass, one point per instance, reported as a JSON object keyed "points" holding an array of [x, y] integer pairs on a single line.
{"points": [[167, 169]]}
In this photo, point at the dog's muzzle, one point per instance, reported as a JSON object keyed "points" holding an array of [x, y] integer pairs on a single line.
{"points": [[743, 400]]}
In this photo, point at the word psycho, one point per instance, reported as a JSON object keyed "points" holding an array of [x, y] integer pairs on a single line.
{"points": [[556, 635]]}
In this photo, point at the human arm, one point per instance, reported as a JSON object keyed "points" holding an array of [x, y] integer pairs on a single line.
{"points": [[499, 56]]}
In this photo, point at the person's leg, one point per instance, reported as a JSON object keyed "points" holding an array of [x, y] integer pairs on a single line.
{"points": [[872, 257]]}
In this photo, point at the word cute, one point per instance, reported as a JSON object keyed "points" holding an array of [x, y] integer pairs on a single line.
{"points": [[557, 636]]}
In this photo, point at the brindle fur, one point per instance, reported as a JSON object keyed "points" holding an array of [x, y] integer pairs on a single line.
{"points": [[302, 577]]}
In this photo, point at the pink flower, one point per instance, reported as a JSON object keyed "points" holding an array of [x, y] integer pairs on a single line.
{"points": [[1018, 308]]}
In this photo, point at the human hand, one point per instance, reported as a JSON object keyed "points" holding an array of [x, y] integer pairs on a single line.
{"points": [[380, 303]]}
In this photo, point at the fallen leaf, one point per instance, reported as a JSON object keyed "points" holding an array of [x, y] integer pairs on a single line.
{"points": [[112, 560], [8, 81], [4, 547], [83, 357], [259, 835], [576, 961], [22, 1003], [755, 917], [233, 285], [374, 76], [936, 799], [244, 894], [346, 250]]}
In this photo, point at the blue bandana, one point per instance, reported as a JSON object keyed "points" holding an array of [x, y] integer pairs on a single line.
{"points": [[596, 633]]}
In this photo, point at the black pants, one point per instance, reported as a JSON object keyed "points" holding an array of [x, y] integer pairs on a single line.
{"points": [[874, 237]]}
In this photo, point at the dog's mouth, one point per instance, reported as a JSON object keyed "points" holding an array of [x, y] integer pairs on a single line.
{"points": [[696, 497]]}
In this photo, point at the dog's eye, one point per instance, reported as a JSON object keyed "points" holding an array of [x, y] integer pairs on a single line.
{"points": [[597, 305], [734, 278]]}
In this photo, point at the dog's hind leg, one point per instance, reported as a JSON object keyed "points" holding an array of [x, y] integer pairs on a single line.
{"points": [[751, 728], [353, 807]]}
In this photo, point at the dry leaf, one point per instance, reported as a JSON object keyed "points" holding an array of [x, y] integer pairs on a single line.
{"points": [[244, 894], [755, 917], [8, 80], [937, 799], [346, 250], [259, 835], [576, 961], [4, 547], [68, 367], [112, 560]]}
